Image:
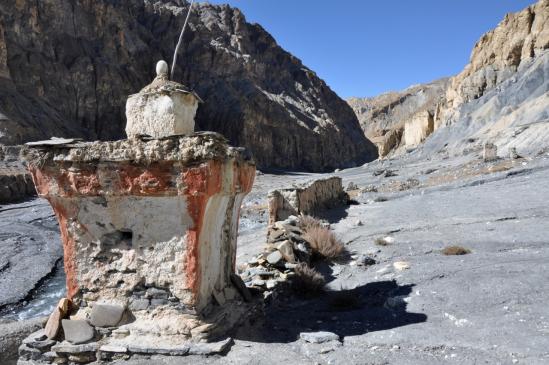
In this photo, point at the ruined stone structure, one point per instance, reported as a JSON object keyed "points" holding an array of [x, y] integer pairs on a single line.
{"points": [[149, 230], [490, 152], [306, 199]]}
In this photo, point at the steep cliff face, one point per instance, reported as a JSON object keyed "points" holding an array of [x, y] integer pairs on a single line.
{"points": [[383, 118], [67, 67], [501, 97], [497, 55]]}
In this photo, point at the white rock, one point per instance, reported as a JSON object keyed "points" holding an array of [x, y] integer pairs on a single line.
{"points": [[318, 337], [401, 265]]}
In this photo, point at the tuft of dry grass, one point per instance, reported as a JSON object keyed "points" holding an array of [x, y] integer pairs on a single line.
{"points": [[455, 250], [324, 242], [307, 281], [307, 222], [381, 241]]}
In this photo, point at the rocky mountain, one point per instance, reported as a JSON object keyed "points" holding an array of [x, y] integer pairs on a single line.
{"points": [[67, 67], [383, 118], [501, 97]]}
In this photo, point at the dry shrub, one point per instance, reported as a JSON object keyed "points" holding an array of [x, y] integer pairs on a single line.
{"points": [[307, 281], [455, 250], [381, 241], [307, 222], [324, 242]]}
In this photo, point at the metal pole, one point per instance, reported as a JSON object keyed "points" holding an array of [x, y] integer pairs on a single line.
{"points": [[174, 62]]}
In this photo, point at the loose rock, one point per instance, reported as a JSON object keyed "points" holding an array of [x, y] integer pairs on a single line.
{"points": [[77, 331]]}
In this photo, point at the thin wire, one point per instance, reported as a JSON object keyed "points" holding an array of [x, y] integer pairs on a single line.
{"points": [[180, 40]]}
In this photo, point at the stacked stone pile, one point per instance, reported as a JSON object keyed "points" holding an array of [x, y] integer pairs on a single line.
{"points": [[286, 247], [68, 338]]}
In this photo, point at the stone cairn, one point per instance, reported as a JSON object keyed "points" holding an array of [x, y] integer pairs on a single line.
{"points": [[149, 227], [286, 247]]}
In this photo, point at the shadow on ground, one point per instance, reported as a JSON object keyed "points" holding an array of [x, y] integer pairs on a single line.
{"points": [[372, 307], [333, 215]]}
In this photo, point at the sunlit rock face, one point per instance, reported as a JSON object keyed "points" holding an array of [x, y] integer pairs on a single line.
{"points": [[140, 217]]}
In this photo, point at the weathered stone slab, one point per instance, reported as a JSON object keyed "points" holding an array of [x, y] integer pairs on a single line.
{"points": [[69, 348], [106, 315], [210, 348], [54, 324], [77, 331], [318, 337]]}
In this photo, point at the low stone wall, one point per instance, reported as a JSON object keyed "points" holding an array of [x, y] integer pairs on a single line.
{"points": [[15, 181], [308, 198]]}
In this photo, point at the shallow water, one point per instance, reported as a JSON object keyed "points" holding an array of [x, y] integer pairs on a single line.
{"points": [[44, 299]]}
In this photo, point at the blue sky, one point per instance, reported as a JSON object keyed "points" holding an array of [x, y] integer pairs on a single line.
{"points": [[366, 47]]}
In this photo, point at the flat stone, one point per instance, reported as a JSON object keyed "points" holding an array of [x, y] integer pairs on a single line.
{"points": [[210, 348], [274, 257], [258, 282], [139, 304], [156, 293], [318, 337], [158, 302], [114, 349], [77, 331], [287, 250], [241, 287], [54, 323], [44, 345], [39, 335], [106, 315], [174, 351], [68, 348]]}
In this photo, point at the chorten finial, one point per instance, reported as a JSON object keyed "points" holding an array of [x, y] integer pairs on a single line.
{"points": [[161, 68]]}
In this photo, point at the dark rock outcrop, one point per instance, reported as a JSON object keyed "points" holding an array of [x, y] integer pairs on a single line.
{"points": [[67, 67]]}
